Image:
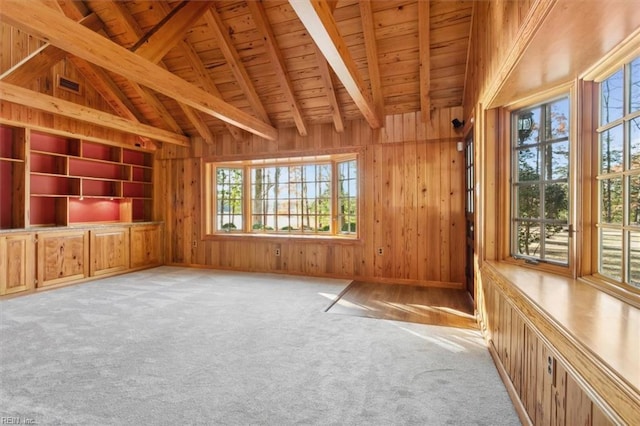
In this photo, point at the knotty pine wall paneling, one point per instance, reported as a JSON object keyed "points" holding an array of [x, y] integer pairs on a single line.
{"points": [[412, 204]]}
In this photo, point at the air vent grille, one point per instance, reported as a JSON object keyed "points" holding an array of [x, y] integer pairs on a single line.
{"points": [[70, 85]]}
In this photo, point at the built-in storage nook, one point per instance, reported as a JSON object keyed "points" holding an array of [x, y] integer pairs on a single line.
{"points": [[72, 209]]}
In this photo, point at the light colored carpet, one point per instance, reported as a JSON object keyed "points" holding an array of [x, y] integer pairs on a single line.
{"points": [[172, 346]]}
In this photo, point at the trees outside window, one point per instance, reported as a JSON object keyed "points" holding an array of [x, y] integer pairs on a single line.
{"points": [[308, 195], [618, 175], [540, 182]]}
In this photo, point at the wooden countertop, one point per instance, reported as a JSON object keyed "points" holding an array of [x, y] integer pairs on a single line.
{"points": [[605, 326]]}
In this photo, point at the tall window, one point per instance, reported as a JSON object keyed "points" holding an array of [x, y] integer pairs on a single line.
{"points": [[229, 199], [619, 176], [307, 195], [540, 182], [347, 196]]}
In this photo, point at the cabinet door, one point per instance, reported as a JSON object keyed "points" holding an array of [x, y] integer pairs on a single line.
{"points": [[17, 257], [62, 257], [146, 246], [109, 251]]}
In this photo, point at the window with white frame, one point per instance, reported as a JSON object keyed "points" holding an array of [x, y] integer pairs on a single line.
{"points": [[306, 196], [540, 182], [618, 176]]}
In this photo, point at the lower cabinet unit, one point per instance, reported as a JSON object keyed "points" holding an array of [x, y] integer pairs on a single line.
{"points": [[109, 251], [17, 263], [547, 388], [63, 257], [146, 243], [50, 257]]}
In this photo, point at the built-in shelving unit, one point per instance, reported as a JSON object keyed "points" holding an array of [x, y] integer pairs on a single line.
{"points": [[70, 181], [72, 210], [12, 183]]}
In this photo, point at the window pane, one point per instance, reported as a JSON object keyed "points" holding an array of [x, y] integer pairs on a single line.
{"points": [[229, 194], [528, 238], [611, 253], [634, 259], [556, 201], [558, 119], [557, 161], [611, 143], [611, 196], [634, 200], [347, 202], [529, 163], [528, 201], [527, 126], [612, 98], [634, 98], [634, 143], [556, 243]]}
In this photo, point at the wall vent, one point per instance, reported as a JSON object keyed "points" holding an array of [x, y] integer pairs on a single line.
{"points": [[68, 84]]}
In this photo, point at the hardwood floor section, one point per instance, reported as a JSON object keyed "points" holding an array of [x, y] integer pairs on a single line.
{"points": [[425, 305]]}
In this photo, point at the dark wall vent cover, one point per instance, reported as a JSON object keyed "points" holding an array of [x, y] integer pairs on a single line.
{"points": [[68, 84]]}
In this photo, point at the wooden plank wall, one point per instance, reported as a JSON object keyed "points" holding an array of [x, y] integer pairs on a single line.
{"points": [[494, 30], [16, 46], [412, 204]]}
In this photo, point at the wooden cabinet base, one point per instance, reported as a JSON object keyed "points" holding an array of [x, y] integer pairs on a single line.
{"points": [[51, 258], [17, 259]]}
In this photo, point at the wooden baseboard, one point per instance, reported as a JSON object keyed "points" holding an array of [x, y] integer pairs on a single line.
{"points": [[382, 280]]}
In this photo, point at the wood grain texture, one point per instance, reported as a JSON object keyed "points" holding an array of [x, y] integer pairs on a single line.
{"points": [[17, 260], [436, 306], [54, 105], [146, 246], [84, 43], [587, 337], [62, 257], [390, 218], [109, 251]]}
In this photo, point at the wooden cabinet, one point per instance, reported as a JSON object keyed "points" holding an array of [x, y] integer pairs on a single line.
{"points": [[63, 257], [146, 246], [48, 182], [17, 263], [53, 257], [547, 389], [109, 251]]}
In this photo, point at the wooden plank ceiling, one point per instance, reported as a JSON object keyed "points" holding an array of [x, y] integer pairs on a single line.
{"points": [[272, 63]]}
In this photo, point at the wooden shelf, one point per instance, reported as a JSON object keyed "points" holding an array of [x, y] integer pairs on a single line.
{"points": [[13, 209], [68, 181]]}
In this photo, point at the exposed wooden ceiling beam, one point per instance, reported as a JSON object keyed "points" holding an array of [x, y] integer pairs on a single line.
{"points": [[202, 78], [327, 81], [155, 44], [214, 22], [424, 39], [74, 38], [325, 74], [48, 55], [371, 46], [74, 9], [317, 18], [41, 60], [31, 99], [161, 40], [198, 122], [103, 84], [277, 60]]}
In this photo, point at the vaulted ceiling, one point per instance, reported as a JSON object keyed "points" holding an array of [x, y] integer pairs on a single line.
{"points": [[199, 68]]}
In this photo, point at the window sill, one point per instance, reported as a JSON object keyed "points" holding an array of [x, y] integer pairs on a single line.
{"points": [[280, 238], [579, 319]]}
